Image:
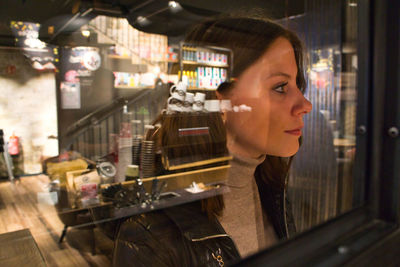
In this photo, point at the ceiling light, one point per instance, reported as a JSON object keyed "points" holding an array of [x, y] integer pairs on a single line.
{"points": [[174, 6], [353, 4], [142, 21]]}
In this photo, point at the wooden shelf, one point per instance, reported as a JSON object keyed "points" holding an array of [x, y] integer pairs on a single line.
{"points": [[187, 62], [163, 61], [119, 57], [132, 87], [153, 61]]}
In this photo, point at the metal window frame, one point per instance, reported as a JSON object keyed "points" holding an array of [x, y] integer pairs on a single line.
{"points": [[368, 235]]}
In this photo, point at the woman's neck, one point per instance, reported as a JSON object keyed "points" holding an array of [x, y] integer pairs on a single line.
{"points": [[236, 148]]}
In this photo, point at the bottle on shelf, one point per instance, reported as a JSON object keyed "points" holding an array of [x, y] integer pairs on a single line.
{"points": [[185, 77], [192, 79], [198, 56], [184, 52], [200, 77], [193, 54], [196, 82]]}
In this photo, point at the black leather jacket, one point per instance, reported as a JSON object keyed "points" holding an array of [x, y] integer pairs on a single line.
{"points": [[178, 236], [184, 236]]}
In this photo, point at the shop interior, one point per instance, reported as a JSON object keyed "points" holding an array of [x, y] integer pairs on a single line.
{"points": [[84, 83]]}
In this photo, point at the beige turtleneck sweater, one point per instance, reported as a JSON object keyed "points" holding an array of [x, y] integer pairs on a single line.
{"points": [[243, 217]]}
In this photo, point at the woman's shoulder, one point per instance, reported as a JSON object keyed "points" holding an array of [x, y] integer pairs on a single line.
{"points": [[188, 219], [141, 235], [136, 228], [171, 232]]}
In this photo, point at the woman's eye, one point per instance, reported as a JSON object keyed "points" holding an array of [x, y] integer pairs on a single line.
{"points": [[281, 88]]}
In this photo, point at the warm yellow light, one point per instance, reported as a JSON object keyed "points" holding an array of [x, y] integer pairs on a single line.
{"points": [[86, 33], [172, 4]]}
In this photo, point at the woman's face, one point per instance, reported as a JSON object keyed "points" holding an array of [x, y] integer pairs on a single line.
{"points": [[268, 87]]}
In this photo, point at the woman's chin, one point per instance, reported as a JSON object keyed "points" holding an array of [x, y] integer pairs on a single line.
{"points": [[290, 154], [285, 153]]}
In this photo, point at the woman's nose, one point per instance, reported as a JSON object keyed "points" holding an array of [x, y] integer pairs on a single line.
{"points": [[302, 107]]}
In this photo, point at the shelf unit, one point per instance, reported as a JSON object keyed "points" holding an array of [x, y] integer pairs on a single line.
{"points": [[123, 64], [211, 73], [191, 65]]}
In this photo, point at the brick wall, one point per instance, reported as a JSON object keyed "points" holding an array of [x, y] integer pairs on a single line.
{"points": [[28, 107]]}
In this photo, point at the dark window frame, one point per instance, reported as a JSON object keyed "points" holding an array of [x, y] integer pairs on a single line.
{"points": [[368, 235]]}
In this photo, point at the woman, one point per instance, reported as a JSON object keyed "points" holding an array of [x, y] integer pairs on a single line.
{"points": [[262, 136]]}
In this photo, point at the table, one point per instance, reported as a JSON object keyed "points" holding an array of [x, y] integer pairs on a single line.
{"points": [[104, 212], [182, 197]]}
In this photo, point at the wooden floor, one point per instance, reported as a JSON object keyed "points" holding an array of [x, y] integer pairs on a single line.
{"points": [[19, 209]]}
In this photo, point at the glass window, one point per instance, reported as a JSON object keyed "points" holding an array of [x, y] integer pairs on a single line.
{"points": [[321, 180], [167, 132]]}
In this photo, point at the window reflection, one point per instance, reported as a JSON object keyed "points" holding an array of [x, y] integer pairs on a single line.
{"points": [[148, 142], [320, 184]]}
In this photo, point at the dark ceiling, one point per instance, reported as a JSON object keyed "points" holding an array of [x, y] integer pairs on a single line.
{"points": [[67, 16]]}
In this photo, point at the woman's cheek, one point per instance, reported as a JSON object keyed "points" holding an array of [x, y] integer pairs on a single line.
{"points": [[242, 120]]}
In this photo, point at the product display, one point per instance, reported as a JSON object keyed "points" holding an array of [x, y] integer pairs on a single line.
{"points": [[204, 68]]}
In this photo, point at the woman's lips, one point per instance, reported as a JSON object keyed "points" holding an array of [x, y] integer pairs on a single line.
{"points": [[296, 132]]}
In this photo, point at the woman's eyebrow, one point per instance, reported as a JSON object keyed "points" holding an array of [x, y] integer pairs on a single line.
{"points": [[279, 74]]}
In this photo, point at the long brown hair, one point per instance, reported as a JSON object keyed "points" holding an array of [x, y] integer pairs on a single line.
{"points": [[189, 148], [249, 38]]}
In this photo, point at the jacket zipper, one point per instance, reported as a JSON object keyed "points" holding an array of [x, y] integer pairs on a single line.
{"points": [[217, 256]]}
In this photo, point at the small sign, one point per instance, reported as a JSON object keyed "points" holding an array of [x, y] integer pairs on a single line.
{"points": [[70, 95], [194, 131], [84, 60]]}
